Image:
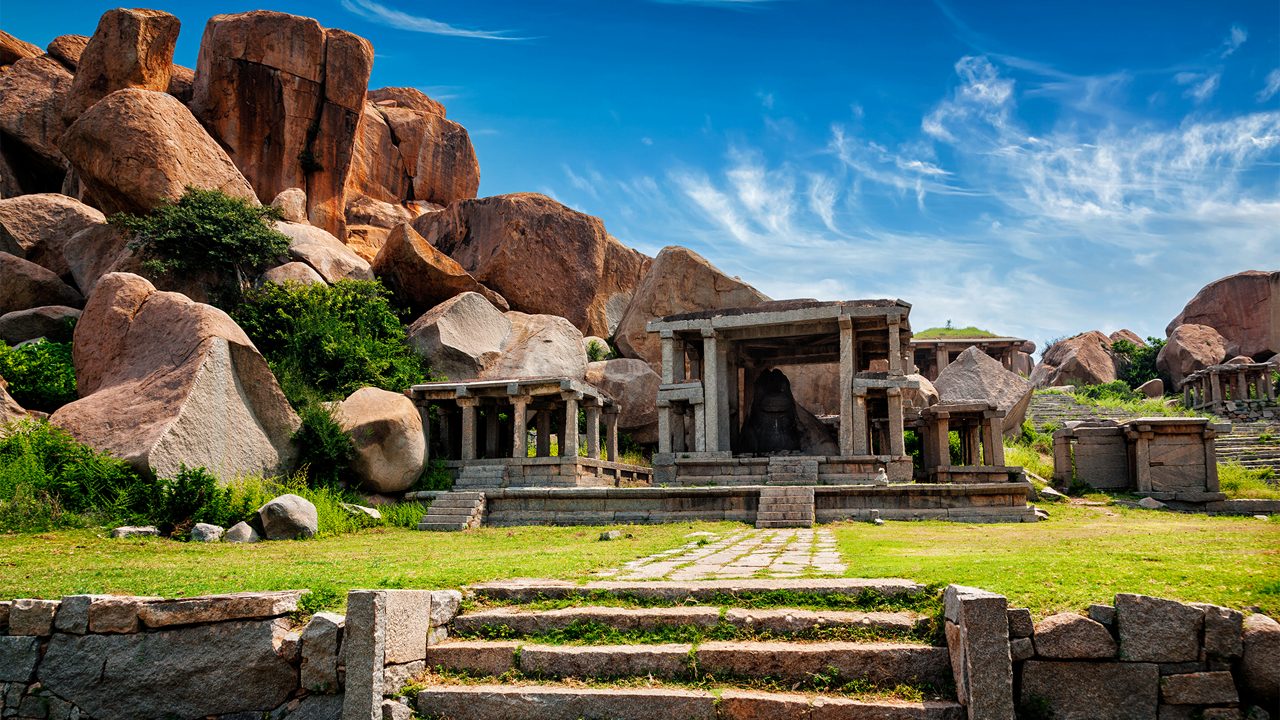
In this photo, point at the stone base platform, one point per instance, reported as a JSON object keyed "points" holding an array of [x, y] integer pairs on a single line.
{"points": [[987, 502], [539, 472], [722, 469]]}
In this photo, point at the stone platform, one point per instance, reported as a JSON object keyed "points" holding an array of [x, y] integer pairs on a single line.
{"points": [[977, 502]]}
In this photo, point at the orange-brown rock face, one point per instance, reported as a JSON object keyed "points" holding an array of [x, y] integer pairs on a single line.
{"points": [[285, 96], [1244, 308], [130, 49], [67, 50], [1085, 359], [12, 50], [137, 148], [31, 97], [421, 275], [541, 256], [376, 169], [680, 281]]}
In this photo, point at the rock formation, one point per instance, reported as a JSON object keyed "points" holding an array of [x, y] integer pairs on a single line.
{"points": [[387, 432], [1190, 348], [292, 272], [1084, 359], [1245, 310], [53, 322], [975, 375], [67, 50], [38, 227], [10, 410], [137, 148], [324, 252], [287, 111], [31, 96], [166, 381], [633, 385], [541, 256], [679, 280], [130, 49], [539, 346], [27, 285], [421, 276], [13, 49]]}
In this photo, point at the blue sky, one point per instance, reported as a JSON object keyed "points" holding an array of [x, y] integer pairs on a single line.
{"points": [[1035, 168]]}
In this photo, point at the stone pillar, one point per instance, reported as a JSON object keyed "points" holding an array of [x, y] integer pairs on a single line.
{"points": [[424, 412], [845, 387], [897, 441], [942, 440], [669, 357], [611, 413], [468, 406], [664, 427], [723, 418], [1215, 388], [1142, 459], [1211, 460], [895, 349], [593, 430], [491, 431], [543, 448], [860, 435], [712, 392], [520, 426], [445, 413], [699, 427], [993, 451], [943, 359], [569, 440], [976, 623], [972, 445], [1061, 460], [1242, 386], [680, 418], [1186, 396], [1271, 386]]}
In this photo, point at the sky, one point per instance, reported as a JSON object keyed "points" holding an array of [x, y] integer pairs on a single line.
{"points": [[1037, 169]]}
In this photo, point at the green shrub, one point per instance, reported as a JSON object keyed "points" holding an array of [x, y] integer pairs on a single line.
{"points": [[436, 477], [325, 342], [193, 496], [207, 231], [1115, 390], [40, 463], [40, 374], [1139, 362], [1238, 481], [324, 450], [597, 351]]}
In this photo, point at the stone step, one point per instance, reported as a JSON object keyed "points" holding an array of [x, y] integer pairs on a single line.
{"points": [[551, 702], [524, 590], [775, 621], [883, 665], [453, 511]]}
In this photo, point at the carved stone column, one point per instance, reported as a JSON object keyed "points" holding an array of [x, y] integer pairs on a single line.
{"points": [[520, 426], [468, 406]]}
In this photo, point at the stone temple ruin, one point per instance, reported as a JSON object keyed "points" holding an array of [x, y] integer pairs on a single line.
{"points": [[733, 442], [933, 355], [1242, 390]]}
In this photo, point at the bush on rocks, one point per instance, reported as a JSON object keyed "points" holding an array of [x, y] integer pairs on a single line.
{"points": [[40, 374]]}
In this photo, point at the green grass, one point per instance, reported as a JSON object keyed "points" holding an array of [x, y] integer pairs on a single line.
{"points": [[1029, 458], [596, 633], [1145, 407], [1238, 481], [1081, 555], [950, 332]]}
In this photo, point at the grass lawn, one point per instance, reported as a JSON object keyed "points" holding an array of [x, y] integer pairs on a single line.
{"points": [[1082, 555], [949, 332]]}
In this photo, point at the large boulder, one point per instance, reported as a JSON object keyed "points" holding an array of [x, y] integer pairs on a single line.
{"points": [[1260, 664], [289, 517], [324, 252], [377, 170], [1188, 349], [132, 48], [10, 410], [13, 49], [67, 49], [461, 336], [307, 96], [27, 285], [437, 154], [1244, 308], [467, 338], [135, 149], [634, 386], [387, 432], [93, 252], [421, 276], [975, 375], [543, 257], [292, 272], [1127, 334], [38, 227], [165, 381], [679, 281], [53, 322], [31, 96], [1084, 359]]}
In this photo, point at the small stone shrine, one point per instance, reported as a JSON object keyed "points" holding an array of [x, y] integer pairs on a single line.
{"points": [[933, 355], [1240, 389], [979, 427]]}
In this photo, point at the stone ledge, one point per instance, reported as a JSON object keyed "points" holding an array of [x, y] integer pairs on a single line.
{"points": [[219, 608]]}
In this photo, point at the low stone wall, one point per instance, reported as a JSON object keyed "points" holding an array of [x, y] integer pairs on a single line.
{"points": [[971, 502], [1143, 658], [606, 506], [228, 657], [742, 471]]}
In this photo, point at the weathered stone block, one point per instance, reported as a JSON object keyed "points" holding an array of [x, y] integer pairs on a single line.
{"points": [[605, 660], [1203, 688], [363, 645], [4, 615], [319, 649], [1157, 630], [480, 658], [744, 705], [1020, 624], [980, 655], [219, 608], [395, 677], [1021, 649], [1223, 629], [408, 622], [444, 606], [1090, 690], [73, 614], [1068, 636], [1105, 614], [116, 613], [1260, 663], [18, 657], [188, 672], [32, 617]]}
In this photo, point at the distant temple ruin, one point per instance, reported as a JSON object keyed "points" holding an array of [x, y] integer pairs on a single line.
{"points": [[933, 355]]}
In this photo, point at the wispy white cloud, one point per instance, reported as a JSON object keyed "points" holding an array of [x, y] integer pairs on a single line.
{"points": [[1235, 38], [1201, 86], [400, 20], [1271, 87]]}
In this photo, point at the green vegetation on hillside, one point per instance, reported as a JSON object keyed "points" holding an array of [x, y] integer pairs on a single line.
{"points": [[40, 374], [1118, 396], [953, 332], [1139, 362]]}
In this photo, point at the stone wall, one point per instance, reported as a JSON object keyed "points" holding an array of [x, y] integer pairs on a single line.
{"points": [[228, 657], [1143, 658]]}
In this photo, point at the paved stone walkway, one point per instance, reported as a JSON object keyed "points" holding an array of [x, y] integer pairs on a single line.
{"points": [[745, 554]]}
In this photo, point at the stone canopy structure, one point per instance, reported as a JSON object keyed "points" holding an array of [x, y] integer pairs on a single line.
{"points": [[933, 355]]}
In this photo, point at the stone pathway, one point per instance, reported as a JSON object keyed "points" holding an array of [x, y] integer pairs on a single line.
{"points": [[783, 553]]}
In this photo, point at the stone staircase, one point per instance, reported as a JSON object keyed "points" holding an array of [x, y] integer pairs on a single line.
{"points": [[685, 651], [786, 470], [476, 475], [785, 507], [453, 511], [1252, 444]]}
